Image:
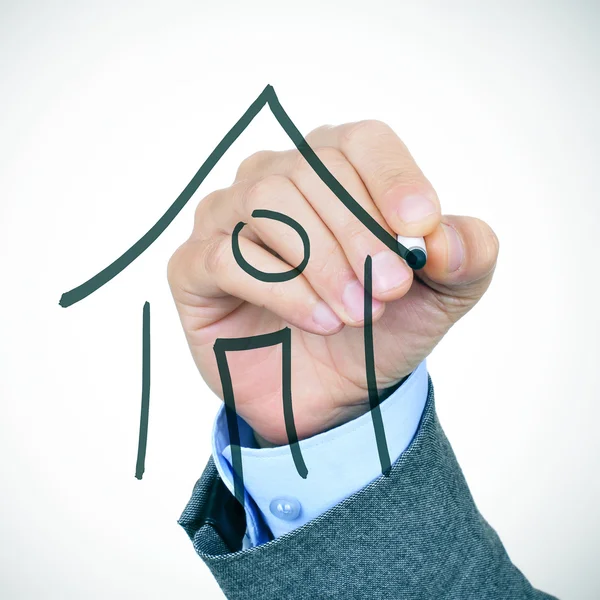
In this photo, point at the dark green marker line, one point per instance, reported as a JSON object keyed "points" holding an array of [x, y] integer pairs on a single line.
{"points": [[143, 438], [262, 275], [97, 281], [374, 401], [267, 96], [224, 345], [330, 181]]}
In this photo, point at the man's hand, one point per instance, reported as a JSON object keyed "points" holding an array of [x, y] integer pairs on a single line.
{"points": [[324, 305]]}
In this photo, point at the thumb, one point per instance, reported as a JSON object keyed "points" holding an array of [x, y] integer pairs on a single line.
{"points": [[461, 257]]}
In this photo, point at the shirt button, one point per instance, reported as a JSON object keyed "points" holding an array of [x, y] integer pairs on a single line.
{"points": [[286, 508]]}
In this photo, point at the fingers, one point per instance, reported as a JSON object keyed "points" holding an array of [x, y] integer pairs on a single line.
{"points": [[462, 254], [375, 167], [328, 270], [391, 275], [403, 195], [205, 275]]}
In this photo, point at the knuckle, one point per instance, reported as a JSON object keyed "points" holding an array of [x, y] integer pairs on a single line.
{"points": [[399, 175], [173, 267], [214, 253], [357, 236], [331, 157], [261, 193], [299, 166], [354, 132], [360, 239], [253, 163], [277, 290], [317, 133], [204, 207], [328, 259]]}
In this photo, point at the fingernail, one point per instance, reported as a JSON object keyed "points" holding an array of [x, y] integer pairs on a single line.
{"points": [[353, 300], [325, 318], [389, 271], [415, 207], [456, 251]]}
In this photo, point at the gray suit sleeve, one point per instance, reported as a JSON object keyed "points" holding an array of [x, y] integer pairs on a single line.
{"points": [[415, 534]]}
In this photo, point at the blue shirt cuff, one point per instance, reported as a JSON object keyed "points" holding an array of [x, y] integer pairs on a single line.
{"points": [[340, 462]]}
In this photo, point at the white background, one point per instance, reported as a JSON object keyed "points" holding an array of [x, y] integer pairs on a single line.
{"points": [[106, 112]]}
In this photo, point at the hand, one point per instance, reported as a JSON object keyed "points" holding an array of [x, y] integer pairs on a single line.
{"points": [[324, 306]]}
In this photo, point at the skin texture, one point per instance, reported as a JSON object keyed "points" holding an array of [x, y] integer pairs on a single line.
{"points": [[323, 307]]}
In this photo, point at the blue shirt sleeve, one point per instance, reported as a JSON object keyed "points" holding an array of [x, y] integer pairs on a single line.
{"points": [[340, 462]]}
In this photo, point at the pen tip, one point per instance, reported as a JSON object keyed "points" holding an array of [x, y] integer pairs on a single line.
{"points": [[416, 258]]}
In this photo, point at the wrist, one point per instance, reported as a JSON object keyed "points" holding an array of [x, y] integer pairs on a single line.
{"points": [[346, 414]]}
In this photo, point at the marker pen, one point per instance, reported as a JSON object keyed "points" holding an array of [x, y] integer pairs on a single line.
{"points": [[417, 252]]}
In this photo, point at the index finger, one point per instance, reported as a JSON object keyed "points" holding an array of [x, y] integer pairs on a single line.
{"points": [[400, 190]]}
